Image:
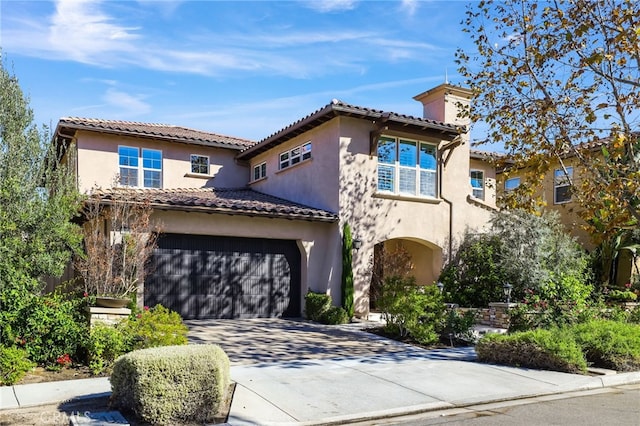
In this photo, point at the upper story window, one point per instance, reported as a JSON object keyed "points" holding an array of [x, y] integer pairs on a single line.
{"points": [[477, 183], [200, 164], [259, 171], [132, 166], [511, 184], [562, 185], [295, 155], [406, 167]]}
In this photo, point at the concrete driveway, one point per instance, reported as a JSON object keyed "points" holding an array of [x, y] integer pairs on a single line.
{"points": [[274, 340]]}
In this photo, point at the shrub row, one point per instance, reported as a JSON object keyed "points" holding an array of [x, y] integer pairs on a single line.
{"points": [[173, 384], [601, 343]]}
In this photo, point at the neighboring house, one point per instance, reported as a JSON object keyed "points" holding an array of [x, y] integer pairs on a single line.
{"points": [[249, 228], [556, 193]]}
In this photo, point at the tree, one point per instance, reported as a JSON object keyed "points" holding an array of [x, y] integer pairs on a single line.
{"points": [[38, 199], [347, 271], [556, 80], [119, 238]]}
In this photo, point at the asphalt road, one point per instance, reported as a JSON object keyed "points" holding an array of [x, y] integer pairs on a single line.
{"points": [[618, 406]]}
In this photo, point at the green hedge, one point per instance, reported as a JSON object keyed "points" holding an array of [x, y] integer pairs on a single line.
{"points": [[13, 365], [553, 349], [171, 384], [318, 308], [610, 344]]}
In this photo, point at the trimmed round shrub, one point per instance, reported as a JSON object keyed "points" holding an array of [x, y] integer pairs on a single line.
{"points": [[158, 326], [335, 315], [105, 344], [553, 349], [316, 305], [171, 384]]}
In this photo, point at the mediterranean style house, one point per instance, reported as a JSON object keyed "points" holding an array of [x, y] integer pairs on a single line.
{"points": [[248, 228]]}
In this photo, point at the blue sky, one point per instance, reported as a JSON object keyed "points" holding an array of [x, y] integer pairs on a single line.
{"points": [[238, 68]]}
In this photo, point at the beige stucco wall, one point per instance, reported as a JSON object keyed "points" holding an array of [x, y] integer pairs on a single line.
{"points": [[97, 159], [489, 180], [317, 241]]}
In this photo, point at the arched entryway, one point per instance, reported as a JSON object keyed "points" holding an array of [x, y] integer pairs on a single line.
{"points": [[405, 256]]}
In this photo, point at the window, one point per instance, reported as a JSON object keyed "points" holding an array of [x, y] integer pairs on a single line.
{"points": [[477, 184], [200, 164], [406, 167], [260, 171], [562, 185], [511, 184], [129, 163], [295, 156]]}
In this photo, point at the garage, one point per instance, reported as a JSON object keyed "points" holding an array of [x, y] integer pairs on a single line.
{"points": [[225, 277]]}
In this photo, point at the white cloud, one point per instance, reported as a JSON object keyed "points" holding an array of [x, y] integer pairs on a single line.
{"points": [[327, 6], [130, 105], [409, 6]]}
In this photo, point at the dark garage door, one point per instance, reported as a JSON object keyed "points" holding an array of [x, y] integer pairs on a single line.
{"points": [[225, 277]]}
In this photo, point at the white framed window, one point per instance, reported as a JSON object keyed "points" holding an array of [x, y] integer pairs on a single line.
{"points": [[477, 183], [260, 171], [199, 164], [295, 155], [511, 183], [132, 165], [407, 167], [562, 185]]}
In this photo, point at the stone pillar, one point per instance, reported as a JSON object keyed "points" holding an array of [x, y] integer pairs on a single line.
{"points": [[109, 316], [499, 314]]}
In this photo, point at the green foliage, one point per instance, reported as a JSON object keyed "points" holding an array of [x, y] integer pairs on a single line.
{"points": [[14, 363], [411, 310], [459, 325], [37, 201], [347, 271], [552, 349], [335, 315], [318, 308], [316, 305], [530, 252], [566, 81], [634, 316], [610, 344], [157, 326], [475, 275], [171, 385], [105, 344], [621, 296], [50, 326]]}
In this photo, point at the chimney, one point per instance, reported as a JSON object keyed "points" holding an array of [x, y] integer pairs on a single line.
{"points": [[442, 103]]}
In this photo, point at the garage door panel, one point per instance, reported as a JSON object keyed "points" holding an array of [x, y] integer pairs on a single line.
{"points": [[225, 277]]}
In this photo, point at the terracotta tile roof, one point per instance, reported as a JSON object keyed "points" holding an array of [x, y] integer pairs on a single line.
{"points": [[233, 201], [155, 131], [338, 108]]}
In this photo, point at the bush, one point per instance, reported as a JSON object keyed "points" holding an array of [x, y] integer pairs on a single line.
{"points": [[153, 327], [13, 365], [335, 315], [105, 344], [171, 384], [621, 296], [553, 349], [459, 325], [316, 305], [411, 310], [51, 326], [610, 344]]}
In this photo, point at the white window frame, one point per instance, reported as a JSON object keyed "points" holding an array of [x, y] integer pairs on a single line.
{"points": [[140, 168], [513, 179], [477, 192], [562, 180], [294, 156], [261, 170], [419, 172], [193, 157]]}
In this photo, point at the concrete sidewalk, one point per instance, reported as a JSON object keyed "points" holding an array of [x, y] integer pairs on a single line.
{"points": [[347, 389], [297, 372]]}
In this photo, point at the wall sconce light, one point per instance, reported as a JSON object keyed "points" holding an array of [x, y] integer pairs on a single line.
{"points": [[506, 289], [357, 243]]}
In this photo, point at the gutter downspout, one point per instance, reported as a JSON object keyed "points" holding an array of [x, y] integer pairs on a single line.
{"points": [[448, 147]]}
